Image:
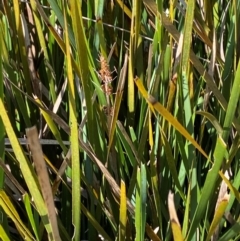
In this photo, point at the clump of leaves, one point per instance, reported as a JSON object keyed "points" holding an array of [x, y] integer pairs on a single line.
{"points": [[136, 109]]}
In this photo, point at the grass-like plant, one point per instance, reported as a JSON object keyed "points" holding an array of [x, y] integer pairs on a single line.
{"points": [[135, 106]]}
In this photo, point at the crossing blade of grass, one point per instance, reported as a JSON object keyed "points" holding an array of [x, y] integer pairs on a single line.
{"points": [[153, 104]]}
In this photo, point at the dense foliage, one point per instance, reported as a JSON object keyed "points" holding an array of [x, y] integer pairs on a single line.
{"points": [[135, 106]]}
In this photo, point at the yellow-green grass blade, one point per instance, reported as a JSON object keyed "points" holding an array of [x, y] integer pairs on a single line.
{"points": [[125, 8], [236, 33], [184, 82], [4, 40], [232, 104], [99, 6], [219, 212], [138, 211], [2, 131], [188, 118], [134, 37], [76, 174], [153, 104], [3, 234], [123, 213], [84, 62], [26, 168], [150, 130], [27, 204], [177, 234], [2, 135], [10, 210], [187, 35], [141, 197], [3, 225], [209, 185], [143, 190]]}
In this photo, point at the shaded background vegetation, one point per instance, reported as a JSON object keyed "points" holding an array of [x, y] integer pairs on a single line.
{"points": [[136, 105]]}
